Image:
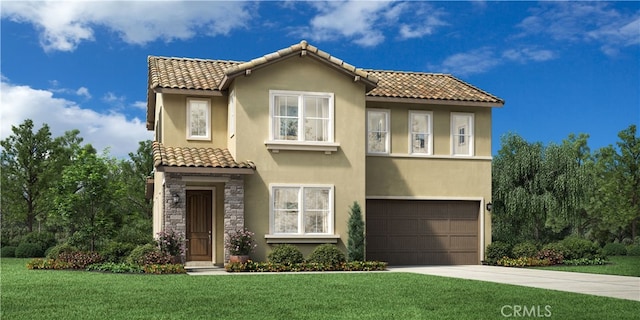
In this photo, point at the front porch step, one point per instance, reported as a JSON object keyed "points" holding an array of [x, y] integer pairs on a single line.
{"points": [[200, 267]]}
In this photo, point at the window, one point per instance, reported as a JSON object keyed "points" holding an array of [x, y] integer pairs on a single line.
{"points": [[231, 121], [462, 134], [377, 131], [198, 119], [301, 116], [302, 210], [420, 139]]}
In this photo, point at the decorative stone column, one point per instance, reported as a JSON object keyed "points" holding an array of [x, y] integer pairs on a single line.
{"points": [[233, 208], [175, 214]]}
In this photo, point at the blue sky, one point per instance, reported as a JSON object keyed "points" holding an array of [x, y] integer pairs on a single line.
{"points": [[562, 67]]}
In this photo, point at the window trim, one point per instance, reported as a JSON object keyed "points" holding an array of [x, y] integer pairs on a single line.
{"points": [[429, 141], [455, 135], [388, 125], [206, 137], [301, 234], [301, 95]]}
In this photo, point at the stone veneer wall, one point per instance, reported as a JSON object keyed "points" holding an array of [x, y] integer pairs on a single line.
{"points": [[175, 215]]}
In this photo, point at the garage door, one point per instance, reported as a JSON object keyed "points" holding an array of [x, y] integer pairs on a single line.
{"points": [[422, 232]]}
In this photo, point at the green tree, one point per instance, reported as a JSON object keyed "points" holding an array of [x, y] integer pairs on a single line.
{"points": [[615, 204], [31, 162], [355, 243], [135, 172], [85, 199], [538, 191]]}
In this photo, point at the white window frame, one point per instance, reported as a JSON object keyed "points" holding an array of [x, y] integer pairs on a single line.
{"points": [[301, 231], [388, 126], [231, 121], [429, 132], [466, 138], [207, 136], [301, 115]]}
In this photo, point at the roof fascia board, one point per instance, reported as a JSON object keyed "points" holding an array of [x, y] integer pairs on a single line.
{"points": [[193, 92], [435, 102], [209, 170]]}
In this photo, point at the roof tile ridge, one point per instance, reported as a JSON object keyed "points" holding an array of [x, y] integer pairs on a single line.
{"points": [[409, 72], [194, 59]]}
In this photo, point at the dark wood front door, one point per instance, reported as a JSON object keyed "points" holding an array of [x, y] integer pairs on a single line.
{"points": [[199, 227]]}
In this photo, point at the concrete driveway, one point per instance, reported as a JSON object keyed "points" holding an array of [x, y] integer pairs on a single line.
{"points": [[595, 284]]}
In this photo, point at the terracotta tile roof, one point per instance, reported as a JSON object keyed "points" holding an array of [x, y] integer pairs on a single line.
{"points": [[433, 86], [196, 157], [215, 75]]}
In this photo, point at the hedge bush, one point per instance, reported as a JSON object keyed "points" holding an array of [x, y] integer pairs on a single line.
{"points": [[614, 249], [29, 250], [579, 248], [117, 251], [285, 254], [497, 250], [8, 252], [556, 247], [55, 251], [525, 249], [633, 250], [252, 266], [137, 254], [327, 254], [45, 240]]}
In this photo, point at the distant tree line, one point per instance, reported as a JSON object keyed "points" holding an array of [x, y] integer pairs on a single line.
{"points": [[545, 193], [59, 190]]}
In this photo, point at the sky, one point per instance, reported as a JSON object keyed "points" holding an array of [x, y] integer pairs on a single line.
{"points": [[561, 67]]}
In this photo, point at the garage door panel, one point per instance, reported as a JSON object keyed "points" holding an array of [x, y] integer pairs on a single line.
{"points": [[421, 232]]}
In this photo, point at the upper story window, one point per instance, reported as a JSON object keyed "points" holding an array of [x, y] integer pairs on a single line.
{"points": [[301, 209], [462, 134], [301, 116], [378, 131], [420, 131], [198, 119]]}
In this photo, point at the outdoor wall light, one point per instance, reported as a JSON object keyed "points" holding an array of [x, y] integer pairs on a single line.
{"points": [[176, 198], [489, 206]]}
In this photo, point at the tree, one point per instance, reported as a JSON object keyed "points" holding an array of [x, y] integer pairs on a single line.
{"points": [[538, 191], [355, 243], [85, 199], [134, 173], [28, 169], [616, 203]]}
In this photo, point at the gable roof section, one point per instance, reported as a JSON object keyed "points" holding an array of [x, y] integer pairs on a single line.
{"points": [[210, 77], [181, 158]]}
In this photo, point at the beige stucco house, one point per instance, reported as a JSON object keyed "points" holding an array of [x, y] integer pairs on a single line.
{"points": [[285, 143]]}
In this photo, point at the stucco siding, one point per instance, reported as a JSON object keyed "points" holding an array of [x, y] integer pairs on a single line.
{"points": [[174, 116]]}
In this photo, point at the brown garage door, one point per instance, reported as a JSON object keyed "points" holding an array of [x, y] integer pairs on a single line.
{"points": [[422, 232]]}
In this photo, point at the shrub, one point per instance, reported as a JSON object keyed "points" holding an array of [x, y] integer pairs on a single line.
{"points": [[252, 266], [164, 269], [29, 250], [80, 259], [497, 250], [155, 257], [55, 251], [553, 256], [585, 262], [171, 243], [117, 251], [523, 262], [115, 267], [327, 254], [524, 249], [137, 254], [614, 249], [633, 250], [627, 241], [44, 264], [579, 248], [8, 252], [45, 240], [556, 247], [285, 254], [241, 242], [355, 244]]}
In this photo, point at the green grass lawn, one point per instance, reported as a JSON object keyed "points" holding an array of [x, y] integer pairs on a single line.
{"points": [[620, 265], [38, 294]]}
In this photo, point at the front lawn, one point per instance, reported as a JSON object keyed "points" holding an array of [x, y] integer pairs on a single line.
{"points": [[46, 294], [619, 265]]}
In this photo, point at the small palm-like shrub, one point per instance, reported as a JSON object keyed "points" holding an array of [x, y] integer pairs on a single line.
{"points": [[327, 254], [285, 254]]}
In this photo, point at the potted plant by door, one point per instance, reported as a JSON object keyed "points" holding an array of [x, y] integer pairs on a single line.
{"points": [[240, 244]]}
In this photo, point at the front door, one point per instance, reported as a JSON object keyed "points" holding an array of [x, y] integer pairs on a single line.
{"points": [[199, 226]]}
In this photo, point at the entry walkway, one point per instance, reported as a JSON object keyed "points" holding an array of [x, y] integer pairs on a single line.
{"points": [[595, 284]]}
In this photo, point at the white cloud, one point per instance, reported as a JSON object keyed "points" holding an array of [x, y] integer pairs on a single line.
{"points": [[111, 130], [524, 55], [584, 22], [140, 105], [365, 22], [63, 25], [83, 92], [473, 62]]}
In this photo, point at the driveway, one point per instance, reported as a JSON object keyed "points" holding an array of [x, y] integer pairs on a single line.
{"points": [[595, 284]]}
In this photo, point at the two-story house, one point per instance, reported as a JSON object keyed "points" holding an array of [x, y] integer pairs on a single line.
{"points": [[284, 144]]}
